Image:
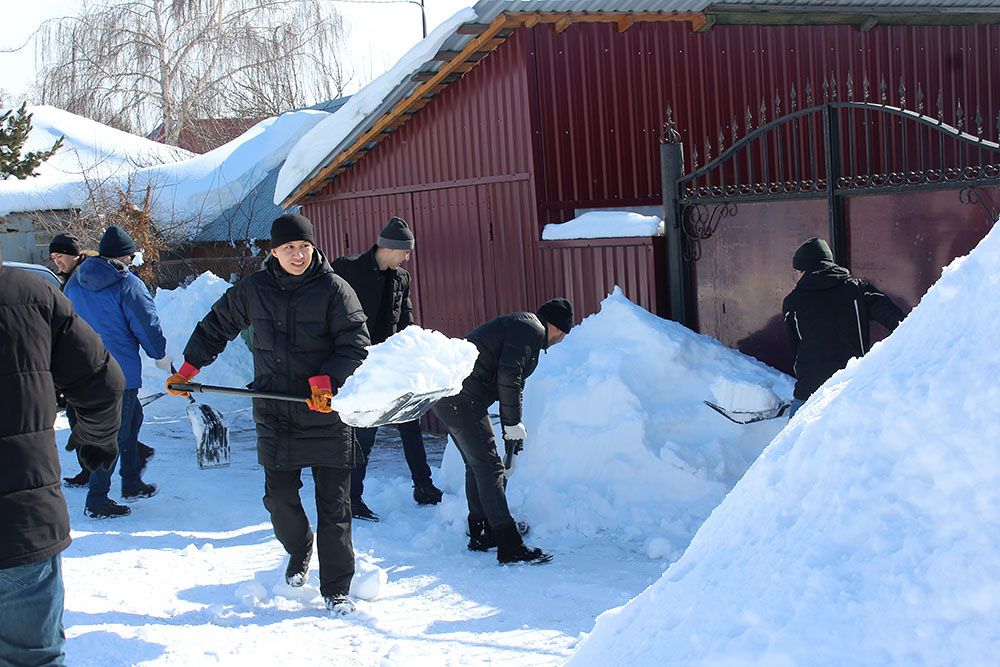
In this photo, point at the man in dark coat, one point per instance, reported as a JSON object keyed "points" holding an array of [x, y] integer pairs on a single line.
{"points": [[117, 304], [309, 336], [508, 353], [383, 287], [827, 317], [44, 346]]}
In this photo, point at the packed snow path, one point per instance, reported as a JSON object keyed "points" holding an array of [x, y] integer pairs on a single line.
{"points": [[195, 576]]}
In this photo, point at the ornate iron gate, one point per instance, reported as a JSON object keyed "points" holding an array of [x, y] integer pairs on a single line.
{"points": [[830, 150]]}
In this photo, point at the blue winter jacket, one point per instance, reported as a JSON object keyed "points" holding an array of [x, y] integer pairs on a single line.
{"points": [[118, 306]]}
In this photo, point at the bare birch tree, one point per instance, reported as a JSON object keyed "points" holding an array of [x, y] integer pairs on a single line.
{"points": [[138, 64]]}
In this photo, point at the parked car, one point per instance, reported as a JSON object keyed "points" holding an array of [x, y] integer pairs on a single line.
{"points": [[38, 270]]}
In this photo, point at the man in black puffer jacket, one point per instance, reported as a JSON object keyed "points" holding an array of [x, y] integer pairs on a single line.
{"points": [[309, 336], [383, 286], [44, 346], [508, 353], [827, 317]]}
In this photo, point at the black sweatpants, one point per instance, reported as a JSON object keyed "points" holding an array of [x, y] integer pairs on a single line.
{"points": [[333, 510], [469, 426]]}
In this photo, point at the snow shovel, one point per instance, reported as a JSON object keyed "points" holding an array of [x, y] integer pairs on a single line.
{"points": [[211, 433], [406, 408], [146, 400], [749, 417], [511, 449]]}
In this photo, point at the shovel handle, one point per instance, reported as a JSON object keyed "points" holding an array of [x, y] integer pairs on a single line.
{"points": [[234, 391]]}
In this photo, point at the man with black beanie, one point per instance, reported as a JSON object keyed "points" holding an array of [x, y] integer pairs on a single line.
{"points": [[309, 336], [827, 317], [508, 353], [383, 286]]}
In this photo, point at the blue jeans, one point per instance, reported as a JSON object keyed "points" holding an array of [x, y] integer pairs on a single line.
{"points": [[413, 451], [796, 404], [31, 611], [128, 454]]}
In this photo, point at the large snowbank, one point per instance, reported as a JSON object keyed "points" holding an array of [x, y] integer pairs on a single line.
{"points": [[313, 149], [619, 441], [604, 224], [186, 188], [868, 532]]}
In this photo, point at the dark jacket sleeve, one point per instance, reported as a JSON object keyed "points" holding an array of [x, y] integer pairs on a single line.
{"points": [[406, 309], [88, 376], [520, 345], [228, 317], [881, 308], [791, 326], [346, 320]]}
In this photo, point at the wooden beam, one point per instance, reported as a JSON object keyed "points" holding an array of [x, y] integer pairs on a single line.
{"points": [[444, 56], [625, 23], [869, 23], [529, 20], [563, 24], [471, 29], [703, 24]]}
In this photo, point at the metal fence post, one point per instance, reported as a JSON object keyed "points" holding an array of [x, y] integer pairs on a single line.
{"points": [[671, 168]]}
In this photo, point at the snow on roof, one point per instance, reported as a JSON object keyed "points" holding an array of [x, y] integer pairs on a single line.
{"points": [[187, 191], [867, 532], [315, 148], [604, 225]]}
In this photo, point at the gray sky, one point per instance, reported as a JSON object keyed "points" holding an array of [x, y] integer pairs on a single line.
{"points": [[378, 34]]}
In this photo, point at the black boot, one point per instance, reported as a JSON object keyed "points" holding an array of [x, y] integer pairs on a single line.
{"points": [[427, 494], [359, 510], [145, 453], [298, 566], [511, 548], [480, 535], [81, 478]]}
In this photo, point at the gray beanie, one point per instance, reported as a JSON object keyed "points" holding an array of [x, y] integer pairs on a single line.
{"points": [[396, 235]]}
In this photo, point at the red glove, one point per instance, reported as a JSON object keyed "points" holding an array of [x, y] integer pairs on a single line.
{"points": [[183, 376], [322, 393]]}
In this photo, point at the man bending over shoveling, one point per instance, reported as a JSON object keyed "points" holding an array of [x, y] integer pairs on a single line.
{"points": [[508, 354], [309, 336]]}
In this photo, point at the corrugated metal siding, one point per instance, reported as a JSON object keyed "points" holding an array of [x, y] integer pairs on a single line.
{"points": [[600, 148]]}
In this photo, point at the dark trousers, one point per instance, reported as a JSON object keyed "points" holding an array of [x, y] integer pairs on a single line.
{"points": [[413, 450], [128, 455], [470, 428], [333, 532]]}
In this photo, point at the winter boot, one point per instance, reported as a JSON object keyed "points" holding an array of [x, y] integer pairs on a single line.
{"points": [[141, 491], [511, 548], [145, 454], [361, 511], [298, 566], [480, 535], [427, 494], [340, 604], [81, 478], [109, 510]]}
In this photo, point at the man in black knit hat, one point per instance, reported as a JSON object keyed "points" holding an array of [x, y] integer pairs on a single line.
{"points": [[508, 353], [309, 337], [827, 317], [383, 286]]}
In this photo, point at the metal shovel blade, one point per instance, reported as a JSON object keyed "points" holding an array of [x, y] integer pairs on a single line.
{"points": [[749, 417], [406, 408], [211, 434]]}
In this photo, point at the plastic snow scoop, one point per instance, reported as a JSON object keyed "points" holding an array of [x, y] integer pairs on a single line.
{"points": [[405, 408], [511, 449], [211, 433], [749, 417]]}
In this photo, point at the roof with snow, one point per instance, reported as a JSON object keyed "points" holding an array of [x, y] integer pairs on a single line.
{"points": [[456, 46]]}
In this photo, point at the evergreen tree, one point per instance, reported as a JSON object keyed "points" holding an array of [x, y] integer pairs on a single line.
{"points": [[14, 129]]}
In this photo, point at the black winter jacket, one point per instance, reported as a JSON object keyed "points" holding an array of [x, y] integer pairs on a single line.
{"points": [[302, 326], [508, 354], [827, 318], [45, 346], [388, 310]]}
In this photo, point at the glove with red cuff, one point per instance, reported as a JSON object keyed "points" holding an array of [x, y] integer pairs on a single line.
{"points": [[322, 393], [183, 376]]}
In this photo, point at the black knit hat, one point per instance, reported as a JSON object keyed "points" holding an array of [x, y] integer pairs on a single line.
{"points": [[116, 243], [811, 255], [396, 235], [67, 244], [291, 227], [558, 313]]}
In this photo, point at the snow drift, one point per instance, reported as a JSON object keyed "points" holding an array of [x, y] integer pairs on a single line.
{"points": [[868, 532], [619, 440]]}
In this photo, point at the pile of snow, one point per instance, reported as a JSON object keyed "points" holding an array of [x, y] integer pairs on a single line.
{"points": [[187, 189], [619, 441], [415, 360], [868, 532], [604, 225], [315, 147]]}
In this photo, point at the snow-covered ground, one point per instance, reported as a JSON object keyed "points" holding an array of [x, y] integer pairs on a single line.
{"points": [[621, 466]]}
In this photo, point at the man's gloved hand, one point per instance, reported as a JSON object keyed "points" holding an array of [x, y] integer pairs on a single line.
{"points": [[183, 376], [165, 364], [91, 457], [515, 432], [322, 394]]}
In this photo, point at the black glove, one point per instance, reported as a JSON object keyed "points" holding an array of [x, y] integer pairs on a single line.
{"points": [[92, 457]]}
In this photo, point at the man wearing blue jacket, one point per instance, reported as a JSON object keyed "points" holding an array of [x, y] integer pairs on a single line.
{"points": [[116, 303]]}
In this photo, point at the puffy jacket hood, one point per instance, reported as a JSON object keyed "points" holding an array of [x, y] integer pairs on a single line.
{"points": [[828, 276], [99, 273]]}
